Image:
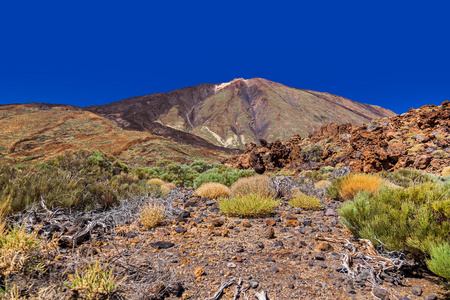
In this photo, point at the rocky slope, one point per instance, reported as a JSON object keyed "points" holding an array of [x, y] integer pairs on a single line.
{"points": [[417, 139], [234, 113], [37, 132]]}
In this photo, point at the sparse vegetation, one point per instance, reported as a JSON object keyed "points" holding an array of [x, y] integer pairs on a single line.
{"points": [[155, 181], [258, 184], [354, 183], [305, 202], [152, 215], [94, 282], [446, 171], [250, 206], [313, 153], [212, 190], [415, 219], [222, 174]]}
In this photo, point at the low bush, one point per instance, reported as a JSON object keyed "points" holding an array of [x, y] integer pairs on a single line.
{"points": [[212, 190], [166, 188], [322, 184], [305, 202], [409, 177], [84, 180], [258, 184], [412, 219], [446, 171], [221, 174], [251, 205], [313, 153], [354, 183], [439, 262], [152, 215], [94, 282], [155, 181], [180, 175]]}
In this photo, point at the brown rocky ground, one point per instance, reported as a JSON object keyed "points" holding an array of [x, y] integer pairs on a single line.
{"points": [[418, 139], [293, 254]]}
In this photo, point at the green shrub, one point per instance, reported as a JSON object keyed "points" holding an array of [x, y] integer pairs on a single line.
{"points": [[80, 180], [305, 202], [94, 282], [403, 219], [221, 174], [201, 166], [409, 177], [313, 153], [332, 190], [251, 205], [179, 174], [439, 263]]}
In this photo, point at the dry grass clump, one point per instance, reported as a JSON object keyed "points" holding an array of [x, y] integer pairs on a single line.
{"points": [[166, 188], [446, 171], [305, 202], [155, 181], [258, 184], [152, 215], [322, 184], [16, 245], [251, 205], [355, 183], [94, 281], [212, 190]]}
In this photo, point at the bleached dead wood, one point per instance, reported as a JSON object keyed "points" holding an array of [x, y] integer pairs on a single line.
{"points": [[261, 295], [222, 287], [238, 289]]}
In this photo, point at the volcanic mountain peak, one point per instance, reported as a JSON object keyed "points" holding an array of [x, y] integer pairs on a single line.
{"points": [[237, 112]]}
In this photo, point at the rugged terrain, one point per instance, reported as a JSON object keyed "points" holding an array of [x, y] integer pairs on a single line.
{"points": [[237, 112], [38, 132], [294, 254], [417, 139]]}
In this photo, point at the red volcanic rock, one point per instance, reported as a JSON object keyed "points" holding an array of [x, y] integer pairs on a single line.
{"points": [[404, 141]]}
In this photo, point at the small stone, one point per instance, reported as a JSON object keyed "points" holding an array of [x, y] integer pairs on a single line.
{"points": [[240, 250], [330, 212], [161, 245], [270, 259], [275, 270], [217, 222], [431, 296], [380, 293], [199, 271], [292, 223], [323, 266], [246, 224], [416, 290], [269, 233], [190, 204], [211, 203], [184, 214], [180, 229], [175, 289], [324, 247], [231, 265], [260, 245], [253, 284], [319, 256], [291, 286], [351, 292], [271, 222]]}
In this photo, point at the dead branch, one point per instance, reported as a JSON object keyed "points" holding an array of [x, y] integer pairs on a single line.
{"points": [[222, 287], [238, 289], [261, 295]]}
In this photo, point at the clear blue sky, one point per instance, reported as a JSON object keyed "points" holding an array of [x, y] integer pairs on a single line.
{"points": [[391, 53]]}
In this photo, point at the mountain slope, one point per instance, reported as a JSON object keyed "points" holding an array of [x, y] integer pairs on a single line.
{"points": [[36, 132], [234, 113]]}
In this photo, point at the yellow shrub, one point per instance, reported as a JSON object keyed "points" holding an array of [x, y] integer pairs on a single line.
{"points": [[152, 215], [155, 181], [212, 190], [251, 205], [305, 202], [446, 171], [258, 184], [166, 188], [354, 183]]}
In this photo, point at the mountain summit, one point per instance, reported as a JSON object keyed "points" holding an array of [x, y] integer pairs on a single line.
{"points": [[237, 112]]}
